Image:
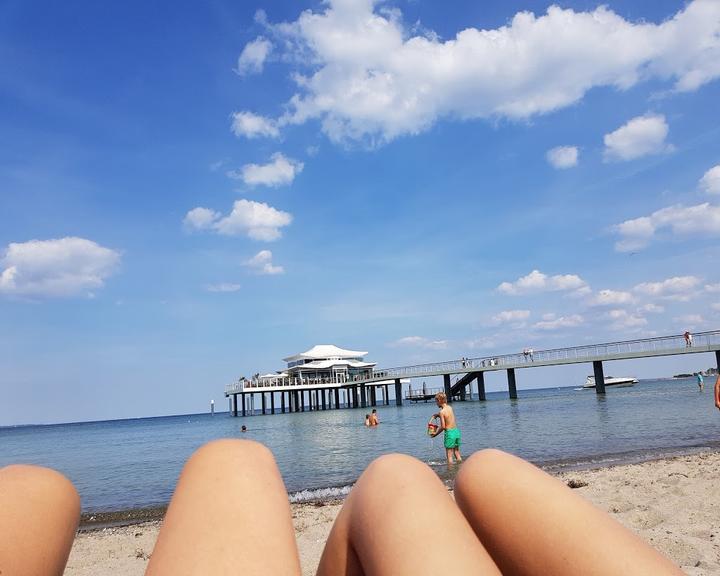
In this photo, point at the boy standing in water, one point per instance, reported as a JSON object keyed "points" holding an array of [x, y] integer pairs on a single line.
{"points": [[449, 426]]}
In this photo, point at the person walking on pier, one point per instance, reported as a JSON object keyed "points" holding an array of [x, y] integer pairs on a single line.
{"points": [[448, 425], [688, 339]]}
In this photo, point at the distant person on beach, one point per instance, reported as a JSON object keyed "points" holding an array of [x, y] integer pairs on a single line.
{"points": [[449, 427], [688, 339], [231, 492], [374, 418], [700, 381]]}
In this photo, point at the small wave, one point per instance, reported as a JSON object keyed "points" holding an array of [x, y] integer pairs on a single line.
{"points": [[320, 494]]}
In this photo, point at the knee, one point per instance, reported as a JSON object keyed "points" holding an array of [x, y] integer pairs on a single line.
{"points": [[42, 485], [394, 472], [231, 452], [391, 465], [484, 469]]}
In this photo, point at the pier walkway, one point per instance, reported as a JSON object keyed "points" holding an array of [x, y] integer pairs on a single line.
{"points": [[467, 370]]}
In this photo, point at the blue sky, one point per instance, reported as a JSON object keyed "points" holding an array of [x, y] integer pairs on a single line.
{"points": [[189, 194]]}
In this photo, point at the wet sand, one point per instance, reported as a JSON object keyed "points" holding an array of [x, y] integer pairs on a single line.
{"points": [[673, 504]]}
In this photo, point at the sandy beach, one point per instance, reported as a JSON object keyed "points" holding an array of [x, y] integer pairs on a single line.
{"points": [[674, 504]]}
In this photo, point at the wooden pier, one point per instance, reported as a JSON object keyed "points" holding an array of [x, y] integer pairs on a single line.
{"points": [[364, 392]]}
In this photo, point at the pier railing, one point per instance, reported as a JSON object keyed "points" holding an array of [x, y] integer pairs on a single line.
{"points": [[665, 345]]}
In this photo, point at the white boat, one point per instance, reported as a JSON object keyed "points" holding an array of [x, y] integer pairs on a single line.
{"points": [[611, 381]]}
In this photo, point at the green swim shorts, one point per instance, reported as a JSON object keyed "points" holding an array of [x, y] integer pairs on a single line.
{"points": [[452, 438]]}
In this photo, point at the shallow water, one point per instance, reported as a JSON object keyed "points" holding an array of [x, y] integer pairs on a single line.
{"points": [[125, 464]]}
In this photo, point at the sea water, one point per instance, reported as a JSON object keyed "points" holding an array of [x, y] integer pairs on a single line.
{"points": [[124, 464]]}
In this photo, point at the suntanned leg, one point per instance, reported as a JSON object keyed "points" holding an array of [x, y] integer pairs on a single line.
{"points": [[531, 523], [39, 514], [229, 515], [449, 455], [456, 453], [400, 519]]}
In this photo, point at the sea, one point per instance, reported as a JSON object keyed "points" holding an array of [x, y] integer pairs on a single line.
{"points": [[120, 465]]}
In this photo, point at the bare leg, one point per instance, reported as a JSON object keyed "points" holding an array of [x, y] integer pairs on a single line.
{"points": [[40, 514], [399, 519], [531, 523], [449, 455], [229, 514], [456, 452]]}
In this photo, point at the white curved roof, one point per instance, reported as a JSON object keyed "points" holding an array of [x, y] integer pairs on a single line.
{"points": [[324, 364], [325, 351]]}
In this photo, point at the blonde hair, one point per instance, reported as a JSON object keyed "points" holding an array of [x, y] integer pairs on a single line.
{"points": [[440, 396]]}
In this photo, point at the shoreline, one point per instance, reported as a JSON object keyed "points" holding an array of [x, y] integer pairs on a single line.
{"points": [[103, 519]]}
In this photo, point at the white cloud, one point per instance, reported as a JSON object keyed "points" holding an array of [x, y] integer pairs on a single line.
{"points": [[419, 342], [563, 156], [715, 306], [262, 263], [710, 182], [511, 316], [223, 287], [623, 320], [280, 171], [712, 288], [652, 308], [373, 77], [253, 56], [483, 343], [200, 218], [681, 220], [558, 323], [56, 268], [536, 281], [610, 298], [690, 320], [257, 220], [641, 136], [676, 288], [252, 126]]}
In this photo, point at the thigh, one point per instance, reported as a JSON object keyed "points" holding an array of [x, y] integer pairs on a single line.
{"points": [[40, 510], [532, 524], [400, 519], [229, 514]]}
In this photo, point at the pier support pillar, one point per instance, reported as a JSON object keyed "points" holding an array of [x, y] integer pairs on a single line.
{"points": [[242, 399], [717, 359], [302, 400], [324, 403], [599, 377], [446, 384], [512, 387], [481, 385], [398, 392], [463, 391], [387, 397], [373, 396], [282, 402], [262, 398], [337, 398], [272, 402], [234, 405], [363, 396]]}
